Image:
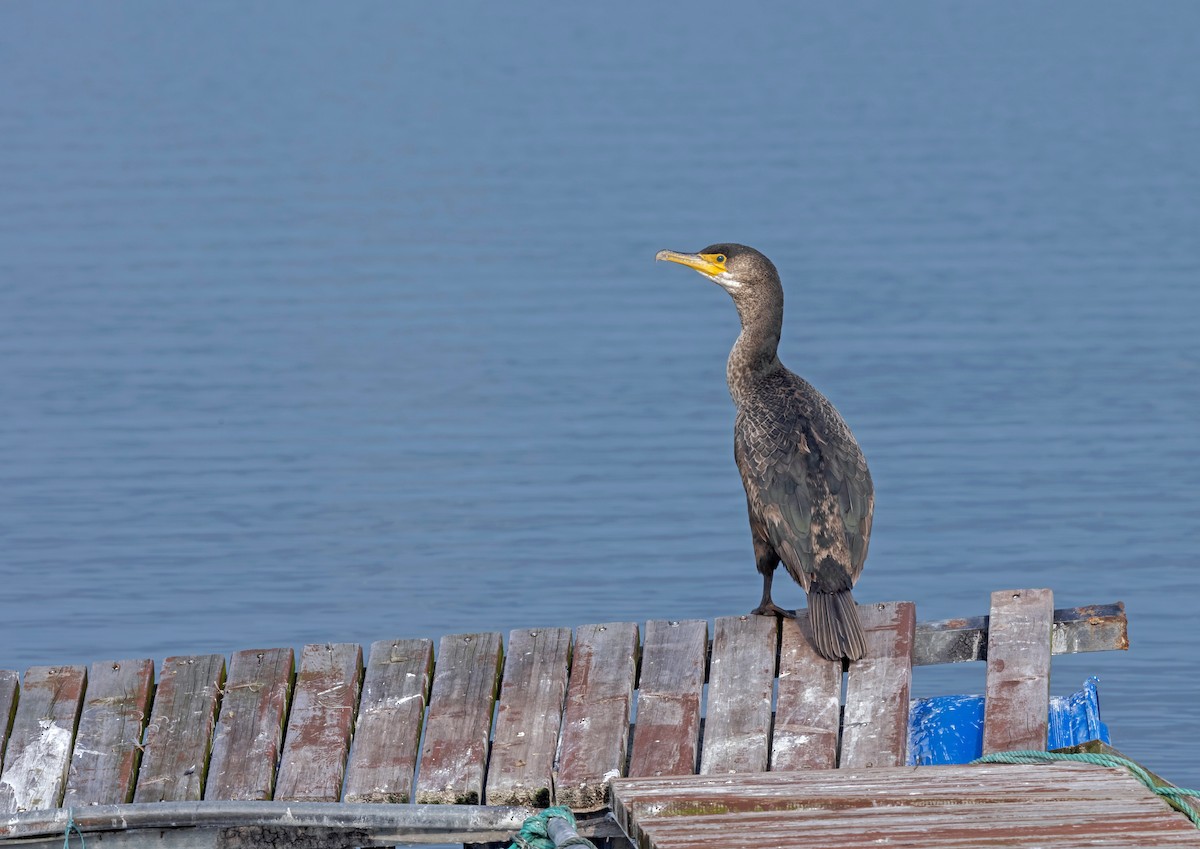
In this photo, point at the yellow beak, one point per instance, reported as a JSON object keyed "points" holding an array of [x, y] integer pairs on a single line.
{"points": [[706, 264]]}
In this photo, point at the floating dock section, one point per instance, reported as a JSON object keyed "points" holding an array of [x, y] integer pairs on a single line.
{"points": [[264, 749]]}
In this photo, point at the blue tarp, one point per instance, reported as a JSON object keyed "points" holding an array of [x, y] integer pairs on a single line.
{"points": [[949, 729]]}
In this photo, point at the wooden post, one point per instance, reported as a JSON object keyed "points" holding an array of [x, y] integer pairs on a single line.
{"points": [[1018, 671]]}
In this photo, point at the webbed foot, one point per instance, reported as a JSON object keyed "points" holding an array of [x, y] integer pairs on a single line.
{"points": [[770, 608]]}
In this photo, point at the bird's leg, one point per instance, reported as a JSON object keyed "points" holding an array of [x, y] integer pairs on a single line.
{"points": [[767, 560]]}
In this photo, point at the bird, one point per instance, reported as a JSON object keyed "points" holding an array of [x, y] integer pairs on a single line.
{"points": [[809, 492]]}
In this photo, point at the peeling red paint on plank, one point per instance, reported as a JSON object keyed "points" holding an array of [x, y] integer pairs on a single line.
{"points": [[250, 726], [321, 722], [108, 742], [666, 740], [454, 755], [383, 754], [1018, 671], [179, 735]]}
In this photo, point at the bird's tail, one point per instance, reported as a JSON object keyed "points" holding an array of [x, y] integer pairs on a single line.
{"points": [[837, 633]]}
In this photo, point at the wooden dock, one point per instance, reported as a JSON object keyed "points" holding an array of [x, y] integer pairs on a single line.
{"points": [[935, 807], [544, 719]]}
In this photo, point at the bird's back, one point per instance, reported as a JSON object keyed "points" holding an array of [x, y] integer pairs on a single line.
{"points": [[807, 482]]}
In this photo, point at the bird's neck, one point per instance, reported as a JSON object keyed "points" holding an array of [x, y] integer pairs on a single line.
{"points": [[755, 355]]}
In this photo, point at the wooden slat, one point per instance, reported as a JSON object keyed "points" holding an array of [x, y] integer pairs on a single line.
{"points": [[1018, 671], [1119, 823], [179, 736], [109, 740], [454, 756], [383, 756], [10, 688], [39, 747], [737, 730], [875, 723], [959, 806], [250, 726], [960, 785], [808, 705], [596, 718], [320, 724], [666, 739], [1095, 627], [528, 717]]}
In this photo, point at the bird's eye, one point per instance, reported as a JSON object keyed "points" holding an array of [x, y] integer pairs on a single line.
{"points": [[721, 258]]}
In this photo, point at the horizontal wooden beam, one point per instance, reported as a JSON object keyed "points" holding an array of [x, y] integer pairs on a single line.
{"points": [[363, 824], [330, 825], [1097, 627]]}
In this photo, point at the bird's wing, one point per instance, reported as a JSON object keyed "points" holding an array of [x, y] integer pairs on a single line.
{"points": [[850, 482], [811, 496]]}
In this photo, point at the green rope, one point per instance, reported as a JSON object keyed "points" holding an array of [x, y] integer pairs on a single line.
{"points": [[1174, 796], [533, 834], [72, 827]]}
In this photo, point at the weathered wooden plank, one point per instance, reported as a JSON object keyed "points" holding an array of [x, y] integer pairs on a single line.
{"points": [[1115, 823], [454, 756], [383, 756], [528, 718], [10, 688], [1018, 671], [666, 740], [1096, 627], [39, 747], [737, 730], [595, 733], [109, 740], [179, 735], [250, 726], [321, 721], [955, 805], [961, 784], [808, 704], [875, 723]]}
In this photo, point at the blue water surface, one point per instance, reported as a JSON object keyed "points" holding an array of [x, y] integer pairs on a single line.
{"points": [[340, 322]]}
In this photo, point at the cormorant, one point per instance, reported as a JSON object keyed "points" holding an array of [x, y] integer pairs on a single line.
{"points": [[808, 489]]}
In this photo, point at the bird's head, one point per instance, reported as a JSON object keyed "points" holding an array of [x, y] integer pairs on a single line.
{"points": [[739, 270]]}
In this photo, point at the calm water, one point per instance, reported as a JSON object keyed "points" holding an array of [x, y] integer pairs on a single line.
{"points": [[325, 322]]}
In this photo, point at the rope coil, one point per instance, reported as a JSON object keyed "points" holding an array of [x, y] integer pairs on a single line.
{"points": [[1174, 796], [535, 834]]}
